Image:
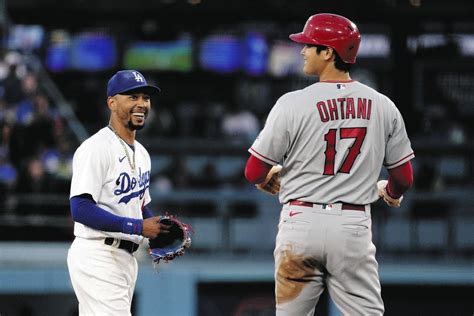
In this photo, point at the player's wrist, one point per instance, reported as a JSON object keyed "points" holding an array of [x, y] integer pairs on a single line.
{"points": [[132, 226], [390, 192]]}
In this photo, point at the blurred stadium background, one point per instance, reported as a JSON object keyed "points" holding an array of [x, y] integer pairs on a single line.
{"points": [[221, 66]]}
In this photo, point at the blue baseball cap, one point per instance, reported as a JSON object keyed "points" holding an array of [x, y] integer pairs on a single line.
{"points": [[128, 80]]}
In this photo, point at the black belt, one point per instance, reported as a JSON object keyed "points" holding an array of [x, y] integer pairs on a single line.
{"points": [[345, 206], [127, 245]]}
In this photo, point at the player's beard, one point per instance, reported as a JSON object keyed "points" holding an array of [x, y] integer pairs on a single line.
{"points": [[134, 127]]}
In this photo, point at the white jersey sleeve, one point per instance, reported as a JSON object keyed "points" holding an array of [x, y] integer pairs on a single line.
{"points": [[273, 141], [89, 170], [398, 147]]}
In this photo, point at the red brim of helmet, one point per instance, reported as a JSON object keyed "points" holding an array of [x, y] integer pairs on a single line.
{"points": [[301, 38]]}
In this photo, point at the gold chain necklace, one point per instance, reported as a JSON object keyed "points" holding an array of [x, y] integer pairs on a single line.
{"points": [[132, 164]]}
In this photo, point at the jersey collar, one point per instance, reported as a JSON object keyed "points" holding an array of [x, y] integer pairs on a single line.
{"points": [[337, 81]]}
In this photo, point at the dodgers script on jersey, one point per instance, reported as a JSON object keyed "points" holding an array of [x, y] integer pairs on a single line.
{"points": [[101, 169], [325, 132]]}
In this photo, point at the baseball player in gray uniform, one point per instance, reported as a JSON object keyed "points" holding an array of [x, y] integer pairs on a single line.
{"points": [[109, 194], [323, 148]]}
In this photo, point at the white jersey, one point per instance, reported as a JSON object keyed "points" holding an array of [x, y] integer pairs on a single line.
{"points": [[332, 139], [101, 169]]}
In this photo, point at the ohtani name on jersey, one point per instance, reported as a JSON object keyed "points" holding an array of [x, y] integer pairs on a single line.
{"points": [[127, 183], [344, 108]]}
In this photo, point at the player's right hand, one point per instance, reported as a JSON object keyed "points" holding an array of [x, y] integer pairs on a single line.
{"points": [[271, 184], [382, 188], [152, 227]]}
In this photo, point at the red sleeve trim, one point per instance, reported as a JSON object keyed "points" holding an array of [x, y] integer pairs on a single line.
{"points": [[256, 170], [262, 157], [392, 165]]}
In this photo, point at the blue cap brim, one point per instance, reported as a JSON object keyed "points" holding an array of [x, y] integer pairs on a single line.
{"points": [[148, 89]]}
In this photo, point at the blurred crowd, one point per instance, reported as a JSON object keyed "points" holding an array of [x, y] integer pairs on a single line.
{"points": [[35, 147], [218, 124], [212, 121]]}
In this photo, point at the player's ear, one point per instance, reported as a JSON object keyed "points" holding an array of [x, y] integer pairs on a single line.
{"points": [[111, 103], [329, 51]]}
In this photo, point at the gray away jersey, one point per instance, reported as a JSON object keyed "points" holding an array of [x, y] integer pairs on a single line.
{"points": [[332, 139]]}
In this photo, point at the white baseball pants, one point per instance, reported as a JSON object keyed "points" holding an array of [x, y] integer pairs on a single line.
{"points": [[326, 246], [103, 277]]}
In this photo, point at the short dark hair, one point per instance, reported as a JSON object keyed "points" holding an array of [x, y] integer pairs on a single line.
{"points": [[338, 62]]}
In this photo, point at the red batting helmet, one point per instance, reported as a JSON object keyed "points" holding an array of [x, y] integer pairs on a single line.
{"points": [[331, 30]]}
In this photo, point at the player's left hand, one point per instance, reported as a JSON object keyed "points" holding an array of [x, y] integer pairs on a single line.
{"points": [[382, 188], [153, 226], [271, 184]]}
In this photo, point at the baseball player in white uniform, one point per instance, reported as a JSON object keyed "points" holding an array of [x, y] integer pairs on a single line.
{"points": [[323, 148], [109, 194]]}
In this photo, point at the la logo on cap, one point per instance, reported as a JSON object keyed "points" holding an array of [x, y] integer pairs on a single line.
{"points": [[138, 77], [127, 80]]}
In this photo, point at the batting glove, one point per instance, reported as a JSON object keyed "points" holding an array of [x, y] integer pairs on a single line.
{"points": [[271, 184], [382, 188]]}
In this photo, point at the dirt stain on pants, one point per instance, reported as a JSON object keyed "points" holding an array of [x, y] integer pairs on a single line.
{"points": [[292, 275]]}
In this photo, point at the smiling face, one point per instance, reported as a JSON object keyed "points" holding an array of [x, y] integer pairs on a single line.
{"points": [[130, 110], [317, 63], [310, 60]]}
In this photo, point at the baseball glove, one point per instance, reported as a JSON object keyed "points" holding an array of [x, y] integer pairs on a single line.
{"points": [[382, 188], [271, 184], [168, 246]]}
